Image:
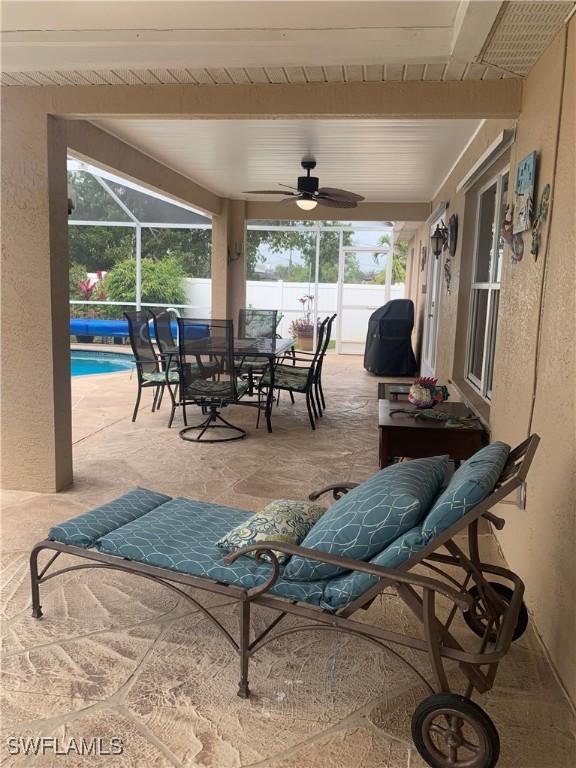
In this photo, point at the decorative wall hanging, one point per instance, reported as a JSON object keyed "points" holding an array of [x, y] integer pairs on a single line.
{"points": [[448, 272], [452, 234], [514, 242], [524, 193], [422, 258], [539, 221]]}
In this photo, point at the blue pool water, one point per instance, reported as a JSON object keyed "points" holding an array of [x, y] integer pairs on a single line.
{"points": [[85, 363]]}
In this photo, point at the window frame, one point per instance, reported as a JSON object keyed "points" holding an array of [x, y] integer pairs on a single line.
{"points": [[492, 286]]}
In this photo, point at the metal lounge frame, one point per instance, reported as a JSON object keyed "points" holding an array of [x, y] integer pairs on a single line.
{"points": [[494, 618]]}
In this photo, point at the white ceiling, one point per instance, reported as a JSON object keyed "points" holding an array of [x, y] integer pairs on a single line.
{"points": [[207, 42], [63, 38], [384, 160]]}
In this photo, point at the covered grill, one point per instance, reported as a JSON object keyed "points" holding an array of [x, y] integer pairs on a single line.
{"points": [[389, 340]]}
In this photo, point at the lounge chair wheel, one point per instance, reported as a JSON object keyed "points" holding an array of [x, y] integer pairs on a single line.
{"points": [[451, 731], [476, 617]]}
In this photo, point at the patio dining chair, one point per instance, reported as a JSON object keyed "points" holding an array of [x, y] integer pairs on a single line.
{"points": [[153, 369], [208, 378], [318, 391], [299, 375], [165, 340], [255, 324]]}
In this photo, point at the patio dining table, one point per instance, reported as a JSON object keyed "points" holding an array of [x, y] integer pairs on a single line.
{"points": [[268, 350]]}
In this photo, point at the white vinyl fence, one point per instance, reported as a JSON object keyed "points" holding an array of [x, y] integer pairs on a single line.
{"points": [[283, 296]]}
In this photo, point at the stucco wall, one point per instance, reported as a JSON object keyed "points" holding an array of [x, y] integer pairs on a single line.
{"points": [[535, 361], [534, 370]]}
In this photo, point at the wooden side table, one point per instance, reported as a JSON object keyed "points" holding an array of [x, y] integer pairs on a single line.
{"points": [[401, 435]]}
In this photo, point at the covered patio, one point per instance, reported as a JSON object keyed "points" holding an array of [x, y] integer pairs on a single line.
{"points": [[116, 656], [441, 139]]}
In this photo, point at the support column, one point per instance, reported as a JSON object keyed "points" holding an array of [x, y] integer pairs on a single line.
{"points": [[229, 260], [35, 352]]}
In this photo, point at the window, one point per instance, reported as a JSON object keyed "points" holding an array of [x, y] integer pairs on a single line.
{"points": [[485, 293]]}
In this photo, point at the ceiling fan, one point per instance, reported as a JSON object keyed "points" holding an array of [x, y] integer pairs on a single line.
{"points": [[308, 194]]}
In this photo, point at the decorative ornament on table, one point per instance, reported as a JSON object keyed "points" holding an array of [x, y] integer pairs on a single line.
{"points": [[539, 221], [425, 392]]}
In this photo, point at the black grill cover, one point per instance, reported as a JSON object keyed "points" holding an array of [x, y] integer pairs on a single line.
{"points": [[388, 343]]}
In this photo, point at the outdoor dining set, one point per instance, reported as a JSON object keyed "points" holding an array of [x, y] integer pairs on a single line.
{"points": [[202, 363]]}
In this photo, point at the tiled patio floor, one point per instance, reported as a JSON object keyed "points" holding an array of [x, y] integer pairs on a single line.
{"points": [[117, 656]]}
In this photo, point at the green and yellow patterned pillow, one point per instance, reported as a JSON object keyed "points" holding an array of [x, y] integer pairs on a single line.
{"points": [[281, 520]]}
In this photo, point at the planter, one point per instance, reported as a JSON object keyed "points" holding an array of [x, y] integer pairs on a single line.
{"points": [[305, 342], [84, 339]]}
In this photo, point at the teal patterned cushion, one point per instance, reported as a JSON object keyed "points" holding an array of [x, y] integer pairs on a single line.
{"points": [[82, 531], [470, 484], [160, 376], [371, 516], [281, 520], [288, 377], [181, 536], [342, 590]]}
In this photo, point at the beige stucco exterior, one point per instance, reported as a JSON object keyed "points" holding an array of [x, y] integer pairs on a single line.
{"points": [[534, 369]]}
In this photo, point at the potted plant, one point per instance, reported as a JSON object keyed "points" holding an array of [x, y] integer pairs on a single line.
{"points": [[302, 329]]}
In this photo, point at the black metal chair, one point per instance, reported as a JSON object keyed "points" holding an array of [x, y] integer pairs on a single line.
{"points": [[165, 341], [318, 391], [255, 324], [300, 373], [208, 377], [153, 369]]}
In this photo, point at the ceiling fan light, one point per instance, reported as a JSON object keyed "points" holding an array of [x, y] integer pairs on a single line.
{"points": [[306, 204]]}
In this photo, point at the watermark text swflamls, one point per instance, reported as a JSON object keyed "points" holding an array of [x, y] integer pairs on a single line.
{"points": [[44, 745]]}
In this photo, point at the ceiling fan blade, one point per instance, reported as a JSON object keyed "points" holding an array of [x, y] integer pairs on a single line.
{"points": [[288, 186], [331, 202], [339, 193], [265, 192]]}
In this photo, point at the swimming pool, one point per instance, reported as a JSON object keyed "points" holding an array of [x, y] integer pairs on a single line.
{"points": [[83, 363]]}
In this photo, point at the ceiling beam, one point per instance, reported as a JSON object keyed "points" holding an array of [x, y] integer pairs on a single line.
{"points": [[95, 146], [469, 99], [257, 209], [473, 23]]}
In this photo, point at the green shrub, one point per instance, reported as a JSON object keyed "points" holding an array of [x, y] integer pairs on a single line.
{"points": [[161, 281]]}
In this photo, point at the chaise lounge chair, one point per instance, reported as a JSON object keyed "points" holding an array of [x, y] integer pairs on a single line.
{"points": [[173, 542]]}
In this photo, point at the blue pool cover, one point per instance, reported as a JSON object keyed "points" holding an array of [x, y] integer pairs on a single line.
{"points": [[92, 326]]}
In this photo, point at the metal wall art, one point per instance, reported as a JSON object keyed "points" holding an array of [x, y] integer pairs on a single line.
{"points": [[524, 194], [514, 242], [422, 258], [539, 221]]}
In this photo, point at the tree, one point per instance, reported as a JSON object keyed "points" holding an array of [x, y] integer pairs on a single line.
{"points": [[192, 248], [161, 281], [100, 247], [399, 258], [300, 248]]}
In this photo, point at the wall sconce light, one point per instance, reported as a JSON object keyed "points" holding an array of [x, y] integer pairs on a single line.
{"points": [[439, 238], [235, 253]]}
